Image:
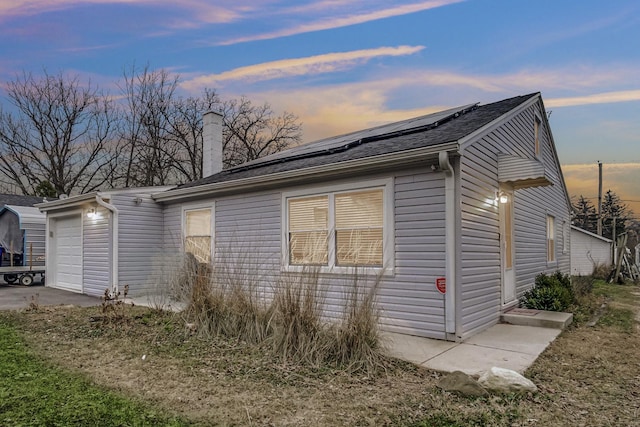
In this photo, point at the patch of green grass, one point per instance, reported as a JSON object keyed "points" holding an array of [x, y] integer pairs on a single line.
{"points": [[612, 290], [35, 393], [619, 318]]}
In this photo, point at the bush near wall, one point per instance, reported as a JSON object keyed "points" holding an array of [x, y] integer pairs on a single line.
{"points": [[551, 293]]}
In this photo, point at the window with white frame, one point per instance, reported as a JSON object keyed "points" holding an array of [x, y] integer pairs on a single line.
{"points": [[197, 234], [551, 243], [536, 132], [337, 229]]}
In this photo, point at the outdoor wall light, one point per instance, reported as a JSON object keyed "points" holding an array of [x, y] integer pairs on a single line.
{"points": [[501, 197], [91, 213]]}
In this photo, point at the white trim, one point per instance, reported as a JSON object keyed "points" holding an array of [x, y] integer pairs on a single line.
{"points": [[537, 132], [80, 199], [495, 124], [450, 242], [388, 232], [554, 261], [508, 275], [50, 258], [339, 169], [115, 243], [588, 233], [198, 206]]}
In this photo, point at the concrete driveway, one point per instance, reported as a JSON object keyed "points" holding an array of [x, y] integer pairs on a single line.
{"points": [[15, 297]]}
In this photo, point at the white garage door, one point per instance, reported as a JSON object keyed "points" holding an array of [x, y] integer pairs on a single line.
{"points": [[67, 253]]}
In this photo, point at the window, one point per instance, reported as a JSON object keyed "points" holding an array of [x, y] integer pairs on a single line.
{"points": [[536, 132], [337, 229], [309, 231], [551, 244], [359, 228], [197, 234]]}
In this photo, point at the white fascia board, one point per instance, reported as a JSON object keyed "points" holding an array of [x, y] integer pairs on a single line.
{"points": [[67, 203], [588, 233], [367, 163]]}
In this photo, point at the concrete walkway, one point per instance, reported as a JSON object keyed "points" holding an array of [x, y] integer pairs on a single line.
{"points": [[505, 346]]}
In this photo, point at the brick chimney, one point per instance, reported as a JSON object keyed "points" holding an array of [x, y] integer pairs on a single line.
{"points": [[211, 143]]}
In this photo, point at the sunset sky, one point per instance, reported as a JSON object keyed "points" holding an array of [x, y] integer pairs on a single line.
{"points": [[344, 65]]}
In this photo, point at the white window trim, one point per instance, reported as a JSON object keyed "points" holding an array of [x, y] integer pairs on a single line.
{"points": [[183, 226], [566, 230], [537, 136], [388, 232]]}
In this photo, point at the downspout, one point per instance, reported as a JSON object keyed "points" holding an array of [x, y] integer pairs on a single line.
{"points": [[114, 244], [450, 242]]}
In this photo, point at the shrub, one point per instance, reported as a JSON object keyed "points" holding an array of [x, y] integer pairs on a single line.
{"points": [[582, 286], [601, 271], [551, 292]]}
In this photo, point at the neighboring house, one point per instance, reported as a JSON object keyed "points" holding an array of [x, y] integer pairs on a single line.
{"points": [[588, 250], [21, 230], [471, 199], [19, 200], [22, 236]]}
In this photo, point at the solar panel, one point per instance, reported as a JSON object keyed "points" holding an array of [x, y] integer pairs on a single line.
{"points": [[335, 142]]}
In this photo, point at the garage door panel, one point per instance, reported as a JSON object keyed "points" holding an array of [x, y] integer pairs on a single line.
{"points": [[67, 246]]}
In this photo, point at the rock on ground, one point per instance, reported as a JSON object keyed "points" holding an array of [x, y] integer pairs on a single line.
{"points": [[461, 383], [502, 380]]}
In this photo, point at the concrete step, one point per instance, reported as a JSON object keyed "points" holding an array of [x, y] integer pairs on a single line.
{"points": [[539, 318]]}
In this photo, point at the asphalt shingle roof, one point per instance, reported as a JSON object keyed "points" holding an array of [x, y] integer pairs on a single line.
{"points": [[451, 130], [19, 200]]}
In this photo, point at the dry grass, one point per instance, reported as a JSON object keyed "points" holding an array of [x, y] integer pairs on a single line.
{"points": [[587, 377], [290, 319]]}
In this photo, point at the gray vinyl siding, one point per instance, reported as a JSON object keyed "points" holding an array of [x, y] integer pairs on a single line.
{"points": [[34, 250], [480, 270], [96, 257], [171, 244], [409, 300], [140, 242], [248, 239]]}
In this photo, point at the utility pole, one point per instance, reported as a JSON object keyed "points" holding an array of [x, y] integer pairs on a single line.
{"points": [[599, 198], [615, 243]]}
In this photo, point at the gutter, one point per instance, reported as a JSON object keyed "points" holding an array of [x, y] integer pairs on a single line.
{"points": [[450, 242], [338, 169], [68, 202], [114, 237]]}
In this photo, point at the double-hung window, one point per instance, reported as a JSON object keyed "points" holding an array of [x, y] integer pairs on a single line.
{"points": [[197, 234], [551, 236], [536, 135], [342, 228]]}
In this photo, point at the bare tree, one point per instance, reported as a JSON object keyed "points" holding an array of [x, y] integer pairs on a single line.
{"points": [[58, 132], [161, 133], [144, 127], [67, 134], [185, 132], [251, 131]]}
